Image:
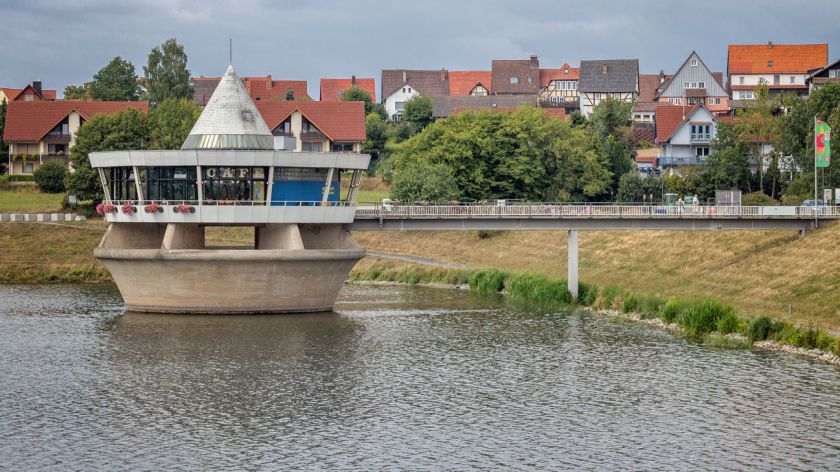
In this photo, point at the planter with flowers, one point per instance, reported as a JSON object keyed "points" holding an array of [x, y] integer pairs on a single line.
{"points": [[105, 208], [128, 209], [183, 209], [153, 208]]}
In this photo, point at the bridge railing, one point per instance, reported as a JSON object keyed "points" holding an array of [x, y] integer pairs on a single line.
{"points": [[578, 210]]}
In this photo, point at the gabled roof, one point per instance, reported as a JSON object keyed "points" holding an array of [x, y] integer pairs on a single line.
{"points": [[10, 93], [431, 83], [339, 121], [648, 84], [28, 122], [566, 72], [332, 89], [14, 94], [264, 88], [258, 88], [462, 82], [776, 58], [670, 118], [526, 71], [617, 75], [717, 76], [815, 72]]}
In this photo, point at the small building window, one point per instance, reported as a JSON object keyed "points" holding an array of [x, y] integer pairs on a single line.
{"points": [[399, 106], [342, 147], [792, 79], [514, 80], [693, 62], [741, 80], [313, 147], [27, 168], [702, 152], [565, 71], [769, 63], [701, 85]]}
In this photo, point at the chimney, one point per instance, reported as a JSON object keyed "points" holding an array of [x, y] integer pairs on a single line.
{"points": [[405, 77], [535, 62], [36, 84], [769, 44], [661, 76], [442, 74], [604, 69], [353, 81], [268, 82]]}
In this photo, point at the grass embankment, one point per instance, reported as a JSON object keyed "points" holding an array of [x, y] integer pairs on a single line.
{"points": [[371, 190], [712, 321], [759, 273], [24, 197]]}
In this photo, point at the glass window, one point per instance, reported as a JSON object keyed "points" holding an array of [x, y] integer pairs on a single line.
{"points": [[741, 80], [694, 62], [313, 147], [342, 147], [792, 79], [399, 106], [223, 184], [514, 80]]}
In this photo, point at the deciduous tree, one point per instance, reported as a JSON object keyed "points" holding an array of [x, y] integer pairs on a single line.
{"points": [[171, 121], [117, 81], [166, 74], [418, 113], [355, 94]]}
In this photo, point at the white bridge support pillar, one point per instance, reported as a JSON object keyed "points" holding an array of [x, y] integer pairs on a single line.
{"points": [[573, 263]]}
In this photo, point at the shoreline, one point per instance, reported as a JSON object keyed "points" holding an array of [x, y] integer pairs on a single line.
{"points": [[714, 338]]}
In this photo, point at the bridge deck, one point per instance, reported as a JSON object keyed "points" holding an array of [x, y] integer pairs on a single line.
{"points": [[581, 216]]}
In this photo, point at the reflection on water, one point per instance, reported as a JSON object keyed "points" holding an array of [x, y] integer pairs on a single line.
{"points": [[398, 378]]}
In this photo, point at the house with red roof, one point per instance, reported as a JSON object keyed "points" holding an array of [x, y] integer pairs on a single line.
{"points": [[470, 83], [258, 88], [31, 93], [38, 131], [333, 89], [559, 87], [315, 126], [782, 67], [684, 134]]}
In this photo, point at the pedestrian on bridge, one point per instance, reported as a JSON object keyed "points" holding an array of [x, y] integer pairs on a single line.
{"points": [[695, 202], [680, 205]]}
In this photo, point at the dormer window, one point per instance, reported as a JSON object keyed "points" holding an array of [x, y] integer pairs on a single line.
{"points": [[478, 91], [514, 80], [769, 63], [247, 116]]}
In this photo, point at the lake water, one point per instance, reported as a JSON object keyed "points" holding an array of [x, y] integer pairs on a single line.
{"points": [[399, 378]]}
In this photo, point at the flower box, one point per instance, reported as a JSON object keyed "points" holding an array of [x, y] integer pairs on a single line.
{"points": [[105, 208], [183, 208]]}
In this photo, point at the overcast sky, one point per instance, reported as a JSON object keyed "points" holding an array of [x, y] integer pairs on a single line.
{"points": [[65, 42]]}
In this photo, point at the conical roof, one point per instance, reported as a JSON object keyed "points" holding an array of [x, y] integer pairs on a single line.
{"points": [[230, 120]]}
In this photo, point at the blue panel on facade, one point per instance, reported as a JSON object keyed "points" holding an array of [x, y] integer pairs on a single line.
{"points": [[302, 191]]}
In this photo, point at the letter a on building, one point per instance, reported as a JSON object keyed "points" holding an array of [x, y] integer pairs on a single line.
{"points": [[823, 143]]}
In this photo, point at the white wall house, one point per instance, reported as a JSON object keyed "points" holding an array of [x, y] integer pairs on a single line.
{"points": [[395, 103], [689, 142]]}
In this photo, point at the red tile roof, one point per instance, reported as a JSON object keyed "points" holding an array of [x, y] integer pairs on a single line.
{"points": [[669, 118], [462, 82], [28, 122], [547, 75], [339, 121], [786, 58], [331, 89], [648, 83], [13, 93], [265, 89]]}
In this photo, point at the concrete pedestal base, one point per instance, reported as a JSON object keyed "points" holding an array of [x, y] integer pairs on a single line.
{"points": [[182, 280]]}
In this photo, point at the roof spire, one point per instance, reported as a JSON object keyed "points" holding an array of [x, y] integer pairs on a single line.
{"points": [[230, 51]]}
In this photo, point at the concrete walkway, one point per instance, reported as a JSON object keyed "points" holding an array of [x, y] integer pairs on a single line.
{"points": [[417, 260], [39, 217]]}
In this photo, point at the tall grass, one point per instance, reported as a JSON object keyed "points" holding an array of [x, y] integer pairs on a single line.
{"points": [[488, 281], [706, 318]]}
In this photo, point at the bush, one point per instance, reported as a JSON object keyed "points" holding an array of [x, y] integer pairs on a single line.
{"points": [[538, 289], [758, 198], [759, 329], [488, 281], [630, 304], [672, 310], [50, 177], [728, 323], [650, 307], [587, 294], [702, 316]]}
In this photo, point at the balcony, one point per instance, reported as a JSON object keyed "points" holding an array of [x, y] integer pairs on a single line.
{"points": [[673, 161], [700, 137], [57, 138]]}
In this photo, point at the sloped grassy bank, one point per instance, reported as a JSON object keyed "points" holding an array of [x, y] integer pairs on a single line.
{"points": [[706, 319]]}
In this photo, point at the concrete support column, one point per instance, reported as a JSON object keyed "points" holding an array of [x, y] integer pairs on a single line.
{"points": [[573, 263], [183, 236], [278, 236]]}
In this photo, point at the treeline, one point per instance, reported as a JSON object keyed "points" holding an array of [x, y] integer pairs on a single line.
{"points": [[526, 154]]}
